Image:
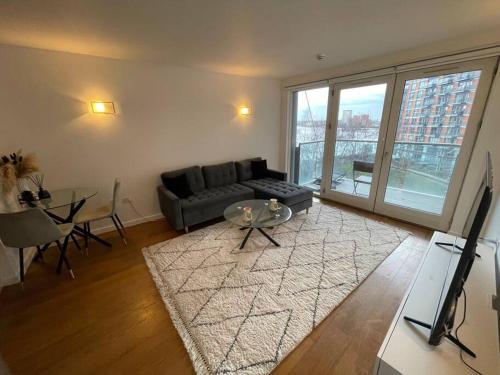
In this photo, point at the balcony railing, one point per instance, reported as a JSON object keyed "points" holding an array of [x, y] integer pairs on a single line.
{"points": [[432, 161], [309, 163]]}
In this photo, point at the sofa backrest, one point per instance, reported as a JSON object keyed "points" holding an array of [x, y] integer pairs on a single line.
{"points": [[244, 169], [193, 175], [219, 174]]}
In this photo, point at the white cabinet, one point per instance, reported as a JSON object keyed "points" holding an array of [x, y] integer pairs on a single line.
{"points": [[405, 349]]}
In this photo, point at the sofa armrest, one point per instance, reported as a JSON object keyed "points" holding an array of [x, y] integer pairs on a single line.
{"points": [[170, 205], [276, 174]]}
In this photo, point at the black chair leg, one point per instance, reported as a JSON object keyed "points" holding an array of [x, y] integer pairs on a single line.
{"points": [[40, 253], [21, 266], [75, 242], [120, 222], [86, 228], [63, 258], [89, 231], [119, 230]]}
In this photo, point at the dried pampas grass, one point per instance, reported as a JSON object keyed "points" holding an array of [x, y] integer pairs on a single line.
{"points": [[8, 177], [26, 165], [16, 166]]}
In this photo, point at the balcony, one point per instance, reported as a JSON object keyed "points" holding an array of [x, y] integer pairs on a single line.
{"points": [[418, 178], [309, 164]]}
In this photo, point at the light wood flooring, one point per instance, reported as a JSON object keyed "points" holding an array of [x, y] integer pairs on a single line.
{"points": [[112, 320]]}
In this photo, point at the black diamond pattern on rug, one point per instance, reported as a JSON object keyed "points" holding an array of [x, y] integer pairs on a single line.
{"points": [[242, 311]]}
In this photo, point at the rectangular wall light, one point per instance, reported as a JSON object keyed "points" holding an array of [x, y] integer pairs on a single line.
{"points": [[103, 107], [245, 110]]}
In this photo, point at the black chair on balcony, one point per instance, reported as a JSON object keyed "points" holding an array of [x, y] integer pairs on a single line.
{"points": [[359, 171]]}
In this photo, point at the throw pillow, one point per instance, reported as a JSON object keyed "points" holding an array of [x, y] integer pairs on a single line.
{"points": [[259, 169], [178, 185]]}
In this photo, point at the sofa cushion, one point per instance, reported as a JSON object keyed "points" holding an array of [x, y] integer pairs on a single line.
{"points": [[287, 193], [259, 169], [244, 169], [211, 203], [178, 185], [219, 174], [193, 175]]}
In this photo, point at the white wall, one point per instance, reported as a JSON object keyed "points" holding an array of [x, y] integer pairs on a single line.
{"points": [[168, 117]]}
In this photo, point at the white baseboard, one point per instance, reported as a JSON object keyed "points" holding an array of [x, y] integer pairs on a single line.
{"points": [[128, 223]]}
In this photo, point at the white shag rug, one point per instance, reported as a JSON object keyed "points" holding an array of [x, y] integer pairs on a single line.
{"points": [[242, 311]]}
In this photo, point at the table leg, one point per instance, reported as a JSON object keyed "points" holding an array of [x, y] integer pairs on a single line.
{"points": [[39, 253], [81, 231], [62, 256], [77, 230], [73, 209], [86, 237], [268, 237], [73, 238], [246, 238]]}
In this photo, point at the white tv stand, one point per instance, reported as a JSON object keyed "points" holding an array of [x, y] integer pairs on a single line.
{"points": [[405, 349]]}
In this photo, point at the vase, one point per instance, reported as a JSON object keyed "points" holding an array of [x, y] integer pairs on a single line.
{"points": [[25, 191], [23, 184], [9, 201]]}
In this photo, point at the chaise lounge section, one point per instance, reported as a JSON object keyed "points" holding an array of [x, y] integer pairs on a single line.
{"points": [[214, 187], [296, 197]]}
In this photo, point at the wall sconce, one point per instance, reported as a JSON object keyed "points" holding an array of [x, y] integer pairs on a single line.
{"points": [[245, 110], [103, 107]]}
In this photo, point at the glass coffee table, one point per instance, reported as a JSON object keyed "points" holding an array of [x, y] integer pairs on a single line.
{"points": [[262, 217]]}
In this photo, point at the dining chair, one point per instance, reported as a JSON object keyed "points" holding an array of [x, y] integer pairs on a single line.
{"points": [[34, 228], [107, 211], [365, 167]]}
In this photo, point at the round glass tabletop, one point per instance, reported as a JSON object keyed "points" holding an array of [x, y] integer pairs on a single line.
{"points": [[65, 197], [262, 215]]}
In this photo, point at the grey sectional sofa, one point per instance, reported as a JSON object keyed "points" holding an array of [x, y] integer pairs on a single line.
{"points": [[215, 187]]}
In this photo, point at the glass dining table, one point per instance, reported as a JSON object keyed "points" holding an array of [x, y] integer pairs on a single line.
{"points": [[73, 199]]}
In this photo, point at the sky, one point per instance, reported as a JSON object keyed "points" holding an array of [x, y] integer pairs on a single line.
{"points": [[318, 101], [361, 100]]}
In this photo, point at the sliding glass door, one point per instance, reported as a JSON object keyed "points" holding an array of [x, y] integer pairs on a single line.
{"points": [[355, 140], [434, 121], [396, 144], [309, 113]]}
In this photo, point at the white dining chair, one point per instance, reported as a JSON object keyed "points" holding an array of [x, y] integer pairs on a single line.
{"points": [[108, 211], [34, 228]]}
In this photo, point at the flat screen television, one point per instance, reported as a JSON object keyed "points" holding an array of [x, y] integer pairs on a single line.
{"points": [[445, 316]]}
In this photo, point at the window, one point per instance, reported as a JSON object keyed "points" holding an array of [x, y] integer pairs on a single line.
{"points": [[308, 136]]}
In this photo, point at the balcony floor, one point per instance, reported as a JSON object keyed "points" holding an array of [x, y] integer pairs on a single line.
{"points": [[400, 197]]}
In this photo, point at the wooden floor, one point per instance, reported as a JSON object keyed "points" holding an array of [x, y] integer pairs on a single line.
{"points": [[111, 319]]}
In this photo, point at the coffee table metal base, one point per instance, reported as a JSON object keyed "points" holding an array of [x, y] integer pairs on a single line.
{"points": [[250, 230]]}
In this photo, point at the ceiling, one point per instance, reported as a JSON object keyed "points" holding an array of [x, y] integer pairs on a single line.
{"points": [[271, 38]]}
